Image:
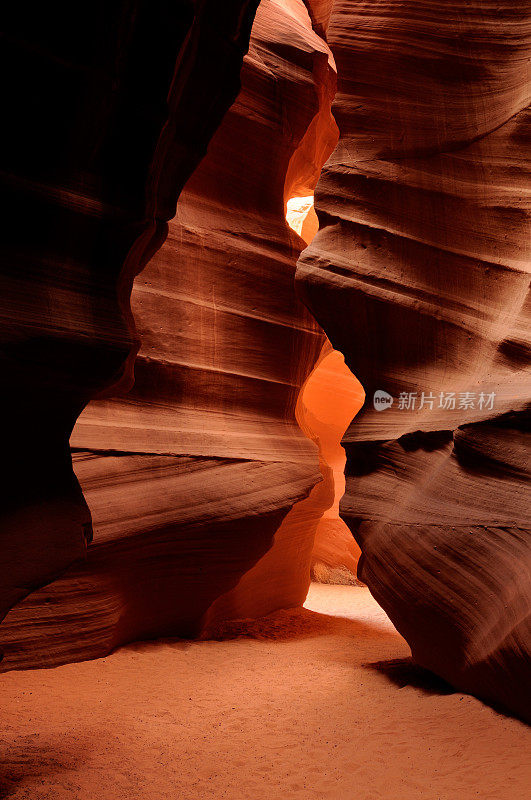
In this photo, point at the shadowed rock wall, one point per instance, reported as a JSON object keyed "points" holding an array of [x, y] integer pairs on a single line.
{"points": [[190, 473], [108, 109]]}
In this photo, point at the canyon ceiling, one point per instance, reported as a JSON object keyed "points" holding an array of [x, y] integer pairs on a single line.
{"points": [[174, 385]]}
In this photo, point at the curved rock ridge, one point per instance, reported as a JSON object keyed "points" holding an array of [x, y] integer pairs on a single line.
{"points": [[190, 473], [101, 131], [420, 276], [319, 11]]}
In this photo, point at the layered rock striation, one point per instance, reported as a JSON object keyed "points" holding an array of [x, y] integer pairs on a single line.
{"points": [[200, 488], [194, 474], [419, 275], [108, 109]]}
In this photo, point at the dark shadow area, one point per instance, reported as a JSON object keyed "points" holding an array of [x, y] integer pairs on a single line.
{"points": [[404, 672], [24, 759]]}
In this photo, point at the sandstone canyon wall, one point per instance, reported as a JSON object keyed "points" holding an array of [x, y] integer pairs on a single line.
{"points": [[108, 109], [204, 493], [419, 275], [193, 475]]}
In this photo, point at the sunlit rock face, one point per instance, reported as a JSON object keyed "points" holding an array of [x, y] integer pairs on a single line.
{"points": [[101, 130], [419, 275], [204, 491], [328, 402], [330, 399], [301, 217]]}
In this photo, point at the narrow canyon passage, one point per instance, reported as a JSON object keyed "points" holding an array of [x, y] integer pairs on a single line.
{"points": [[317, 703], [287, 595]]}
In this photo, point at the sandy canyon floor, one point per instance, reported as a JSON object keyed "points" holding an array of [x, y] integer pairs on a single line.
{"points": [[320, 702]]}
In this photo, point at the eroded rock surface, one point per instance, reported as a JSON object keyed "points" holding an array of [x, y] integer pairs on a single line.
{"points": [[190, 473], [419, 275], [108, 108]]}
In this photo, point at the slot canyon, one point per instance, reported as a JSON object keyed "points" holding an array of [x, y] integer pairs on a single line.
{"points": [[265, 347]]}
